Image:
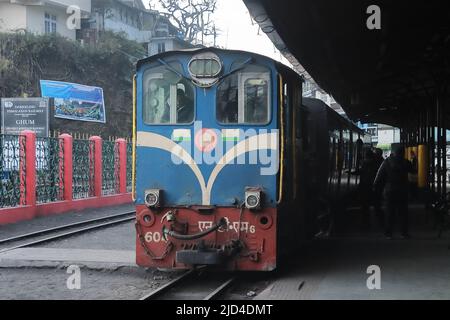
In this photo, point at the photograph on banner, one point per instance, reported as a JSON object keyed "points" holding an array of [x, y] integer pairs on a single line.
{"points": [[75, 101]]}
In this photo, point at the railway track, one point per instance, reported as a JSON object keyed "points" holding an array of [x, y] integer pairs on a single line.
{"points": [[195, 284], [67, 230]]}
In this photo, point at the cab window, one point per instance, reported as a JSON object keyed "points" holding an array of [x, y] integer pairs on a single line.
{"points": [[244, 97], [168, 97]]}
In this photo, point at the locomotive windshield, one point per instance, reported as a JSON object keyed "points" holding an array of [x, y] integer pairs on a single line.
{"points": [[168, 98], [244, 97]]}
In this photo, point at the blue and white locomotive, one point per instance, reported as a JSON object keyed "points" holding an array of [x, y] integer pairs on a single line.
{"points": [[222, 142]]}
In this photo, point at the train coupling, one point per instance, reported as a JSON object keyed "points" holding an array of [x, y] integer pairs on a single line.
{"points": [[204, 255]]}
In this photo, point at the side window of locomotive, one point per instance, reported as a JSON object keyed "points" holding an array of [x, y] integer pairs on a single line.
{"points": [[244, 97], [168, 97]]}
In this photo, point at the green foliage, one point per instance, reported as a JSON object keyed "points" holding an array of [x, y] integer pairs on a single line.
{"points": [[384, 147], [26, 58]]}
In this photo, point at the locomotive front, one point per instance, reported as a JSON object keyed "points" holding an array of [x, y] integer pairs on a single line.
{"points": [[206, 160]]}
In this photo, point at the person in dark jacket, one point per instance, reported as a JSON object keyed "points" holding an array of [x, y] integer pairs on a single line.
{"points": [[378, 157], [368, 172], [378, 196], [184, 106], [393, 177], [412, 177]]}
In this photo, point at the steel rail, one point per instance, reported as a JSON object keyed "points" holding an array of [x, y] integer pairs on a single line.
{"points": [[69, 233], [210, 295], [219, 289], [66, 226], [161, 290]]}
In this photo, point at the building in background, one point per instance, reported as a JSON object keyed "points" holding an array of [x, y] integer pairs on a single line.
{"points": [[372, 129], [382, 135], [40, 16], [131, 19], [312, 90], [128, 17], [387, 135], [166, 38]]}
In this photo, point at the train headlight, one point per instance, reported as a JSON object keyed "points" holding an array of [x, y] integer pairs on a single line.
{"points": [[205, 68], [253, 199], [152, 198]]}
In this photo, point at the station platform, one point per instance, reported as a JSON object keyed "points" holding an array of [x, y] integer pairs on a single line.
{"points": [[336, 268], [328, 268], [62, 257]]}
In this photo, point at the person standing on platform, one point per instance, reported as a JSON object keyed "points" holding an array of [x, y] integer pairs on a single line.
{"points": [[367, 176], [378, 195], [412, 177], [378, 157], [393, 177]]}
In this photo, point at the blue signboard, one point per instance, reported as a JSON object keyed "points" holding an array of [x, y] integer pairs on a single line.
{"points": [[75, 101]]}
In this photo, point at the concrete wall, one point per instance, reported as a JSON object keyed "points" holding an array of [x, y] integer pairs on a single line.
{"points": [[170, 45], [388, 135], [85, 5], [32, 17], [12, 17], [36, 20]]}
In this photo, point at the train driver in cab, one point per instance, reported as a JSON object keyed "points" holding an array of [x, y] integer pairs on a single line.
{"points": [[185, 106]]}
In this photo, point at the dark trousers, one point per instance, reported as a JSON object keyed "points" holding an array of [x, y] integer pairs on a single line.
{"points": [[413, 189], [397, 206], [369, 198]]}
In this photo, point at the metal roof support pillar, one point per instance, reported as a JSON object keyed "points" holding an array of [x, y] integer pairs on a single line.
{"points": [[444, 145], [403, 135], [438, 149], [427, 141], [432, 144], [423, 126]]}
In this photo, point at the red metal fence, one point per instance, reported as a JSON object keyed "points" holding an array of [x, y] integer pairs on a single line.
{"points": [[61, 180]]}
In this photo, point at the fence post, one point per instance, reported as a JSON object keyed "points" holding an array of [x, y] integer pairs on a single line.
{"points": [[96, 159], [27, 141], [122, 161], [66, 165]]}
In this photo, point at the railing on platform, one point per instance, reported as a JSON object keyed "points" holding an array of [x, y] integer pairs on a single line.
{"points": [[36, 172], [82, 177], [12, 155], [110, 168], [49, 180]]}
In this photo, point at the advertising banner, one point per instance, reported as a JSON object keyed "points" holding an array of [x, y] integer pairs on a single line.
{"points": [[75, 101]]}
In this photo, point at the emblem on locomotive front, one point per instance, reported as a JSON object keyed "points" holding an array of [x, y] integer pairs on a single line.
{"points": [[205, 140]]}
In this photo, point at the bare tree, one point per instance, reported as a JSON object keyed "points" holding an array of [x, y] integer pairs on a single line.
{"points": [[192, 17]]}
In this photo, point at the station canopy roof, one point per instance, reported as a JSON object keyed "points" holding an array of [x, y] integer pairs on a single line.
{"points": [[381, 75]]}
